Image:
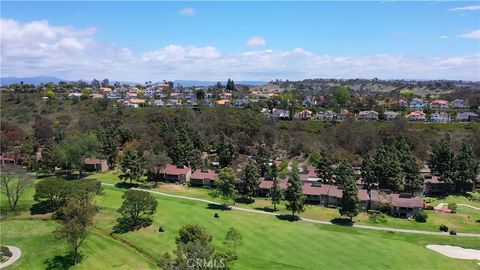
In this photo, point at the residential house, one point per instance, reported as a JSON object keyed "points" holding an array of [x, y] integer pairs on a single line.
{"points": [[467, 117], [440, 117], [309, 174], [173, 173], [309, 101], [241, 102], [404, 205], [74, 95], [459, 104], [328, 116], [417, 116], [131, 95], [203, 178], [280, 113], [439, 104], [418, 104], [173, 102], [434, 186], [266, 186], [368, 115], [158, 103], [105, 90], [398, 104], [113, 96], [390, 115], [133, 103], [303, 115], [95, 164], [95, 96], [224, 102]]}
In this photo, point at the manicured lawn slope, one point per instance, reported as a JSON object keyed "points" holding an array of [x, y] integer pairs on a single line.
{"points": [[271, 243]]}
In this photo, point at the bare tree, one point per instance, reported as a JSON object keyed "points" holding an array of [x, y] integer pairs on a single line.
{"points": [[13, 183]]}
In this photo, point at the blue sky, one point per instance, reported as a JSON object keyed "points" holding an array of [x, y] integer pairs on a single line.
{"points": [[210, 40]]}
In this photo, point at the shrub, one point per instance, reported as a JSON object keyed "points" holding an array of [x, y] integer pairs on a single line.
{"points": [[452, 206], [420, 217], [429, 207], [385, 208], [443, 228], [377, 217]]}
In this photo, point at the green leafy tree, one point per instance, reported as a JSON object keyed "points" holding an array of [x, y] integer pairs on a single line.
{"points": [[72, 150], [442, 161], [193, 233], [131, 166], [51, 190], [112, 134], [183, 151], [137, 207], [154, 163], [250, 180], [226, 183], [349, 200], [343, 172], [76, 223], [410, 167], [466, 167], [342, 95], [227, 151], [263, 156], [314, 157], [294, 193], [233, 239], [368, 170], [388, 170], [230, 85], [276, 193], [324, 168]]}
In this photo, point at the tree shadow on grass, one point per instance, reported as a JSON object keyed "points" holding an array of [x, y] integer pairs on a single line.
{"points": [[266, 209], [342, 221], [62, 262], [244, 200], [221, 207], [125, 225], [126, 185], [286, 217]]}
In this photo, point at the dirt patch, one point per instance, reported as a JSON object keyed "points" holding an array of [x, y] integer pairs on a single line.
{"points": [[456, 252]]}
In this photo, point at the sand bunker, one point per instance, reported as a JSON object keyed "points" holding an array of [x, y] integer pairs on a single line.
{"points": [[456, 252]]}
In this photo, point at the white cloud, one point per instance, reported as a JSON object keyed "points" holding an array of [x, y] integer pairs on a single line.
{"points": [[38, 48], [467, 8], [187, 12], [472, 34], [256, 41], [443, 37]]}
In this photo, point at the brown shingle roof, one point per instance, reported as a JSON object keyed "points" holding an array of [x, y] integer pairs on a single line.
{"points": [[199, 174], [175, 170]]}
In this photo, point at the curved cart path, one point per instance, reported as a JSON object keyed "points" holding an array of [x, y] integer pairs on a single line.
{"points": [[378, 228], [16, 253]]}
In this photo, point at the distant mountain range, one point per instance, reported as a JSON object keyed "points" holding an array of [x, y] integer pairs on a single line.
{"points": [[188, 83], [46, 79], [28, 80]]}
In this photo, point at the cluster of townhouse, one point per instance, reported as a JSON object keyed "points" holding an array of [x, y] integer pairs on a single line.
{"points": [[404, 204]]}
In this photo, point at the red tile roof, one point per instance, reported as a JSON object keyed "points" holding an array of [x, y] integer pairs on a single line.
{"points": [[398, 201], [175, 170], [309, 189], [93, 161], [268, 184], [199, 174]]}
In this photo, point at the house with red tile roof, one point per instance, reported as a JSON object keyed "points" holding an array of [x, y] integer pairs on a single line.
{"points": [[266, 186], [203, 178], [309, 174], [95, 164], [174, 173], [439, 104]]}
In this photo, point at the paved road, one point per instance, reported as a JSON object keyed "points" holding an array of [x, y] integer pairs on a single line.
{"points": [[470, 206], [16, 252], [377, 228]]}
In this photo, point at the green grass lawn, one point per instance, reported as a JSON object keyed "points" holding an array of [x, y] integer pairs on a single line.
{"points": [[270, 243], [463, 221]]}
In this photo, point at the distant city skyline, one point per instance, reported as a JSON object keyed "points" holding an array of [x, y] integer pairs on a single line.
{"points": [[212, 41]]}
